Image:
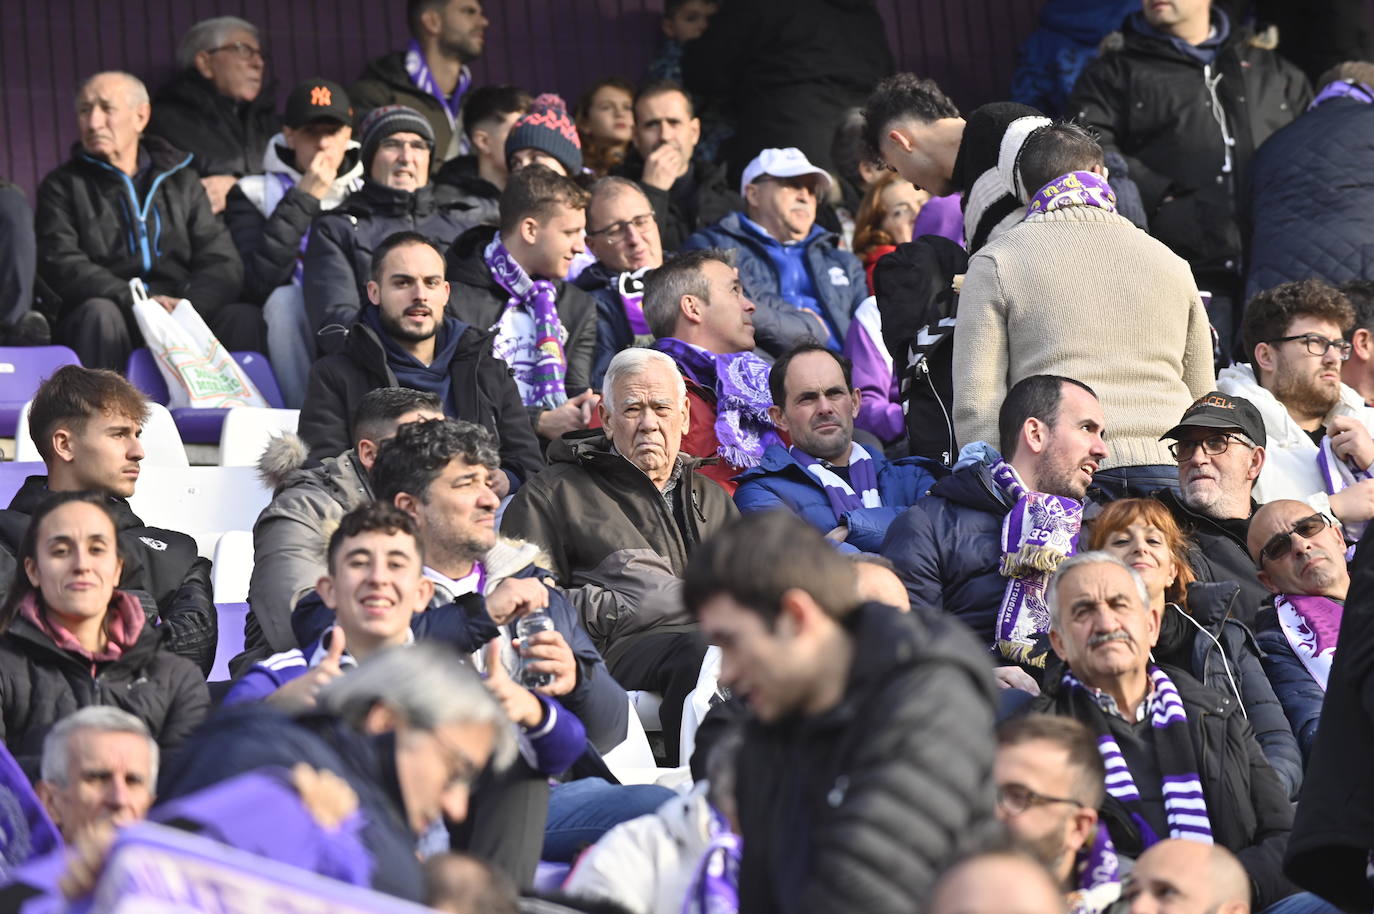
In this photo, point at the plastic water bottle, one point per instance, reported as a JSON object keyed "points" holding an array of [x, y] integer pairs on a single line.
{"points": [[526, 628]]}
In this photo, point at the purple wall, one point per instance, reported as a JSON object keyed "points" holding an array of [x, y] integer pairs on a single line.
{"points": [[46, 49]]}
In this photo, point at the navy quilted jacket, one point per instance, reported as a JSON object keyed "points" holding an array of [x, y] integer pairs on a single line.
{"points": [[1297, 691], [1312, 199]]}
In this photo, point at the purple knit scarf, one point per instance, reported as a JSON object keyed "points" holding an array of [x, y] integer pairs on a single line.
{"points": [[1312, 625], [740, 381], [418, 71], [1077, 188], [545, 385], [863, 477], [1038, 533], [1342, 89], [630, 288]]}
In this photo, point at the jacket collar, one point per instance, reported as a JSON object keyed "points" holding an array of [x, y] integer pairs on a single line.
{"points": [[35, 489]]}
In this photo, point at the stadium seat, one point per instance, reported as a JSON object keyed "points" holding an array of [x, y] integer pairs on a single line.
{"points": [[200, 426], [22, 370], [161, 441], [197, 500], [233, 565], [12, 476], [247, 432], [230, 644]]}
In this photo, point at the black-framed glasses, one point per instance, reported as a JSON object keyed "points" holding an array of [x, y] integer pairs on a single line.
{"points": [[1212, 446], [620, 231], [1280, 544], [241, 50], [1017, 798], [1317, 344]]}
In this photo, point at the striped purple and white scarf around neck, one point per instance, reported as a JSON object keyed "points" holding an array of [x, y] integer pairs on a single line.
{"points": [[860, 492], [1185, 806], [421, 77]]}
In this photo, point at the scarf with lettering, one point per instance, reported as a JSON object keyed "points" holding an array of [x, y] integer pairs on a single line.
{"points": [[540, 297], [715, 888], [863, 476], [629, 288], [1338, 474], [1185, 807], [1096, 865], [1311, 624], [1077, 188], [420, 76], [1038, 533], [740, 381]]}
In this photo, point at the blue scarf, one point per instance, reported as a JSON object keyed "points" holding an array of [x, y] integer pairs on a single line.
{"points": [[410, 372]]}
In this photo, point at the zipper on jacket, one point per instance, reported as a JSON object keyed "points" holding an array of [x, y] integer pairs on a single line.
{"points": [[948, 455], [140, 213]]}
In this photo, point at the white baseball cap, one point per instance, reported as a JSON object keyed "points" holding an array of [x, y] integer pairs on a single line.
{"points": [[782, 163]]}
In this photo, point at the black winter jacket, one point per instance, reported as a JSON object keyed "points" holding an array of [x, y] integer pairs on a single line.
{"points": [[98, 228], [476, 299], [40, 684], [481, 383], [1249, 810], [162, 568], [948, 549], [471, 188], [1312, 199], [338, 257], [385, 82], [1294, 686], [699, 198], [860, 807], [1217, 553], [613, 331], [226, 136], [1150, 101]]}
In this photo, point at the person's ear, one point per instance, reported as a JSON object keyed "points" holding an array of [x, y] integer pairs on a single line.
{"points": [[1267, 581], [481, 141], [63, 444], [794, 613], [1257, 458], [1034, 434], [201, 64], [901, 139], [430, 22], [691, 307], [407, 503], [855, 401], [694, 130], [779, 418], [31, 571], [367, 453], [380, 718], [751, 194], [1363, 342], [1265, 357], [868, 172], [528, 230], [374, 292], [325, 588], [47, 795], [119, 569], [605, 413], [143, 113], [1084, 824], [1152, 627], [425, 591], [1057, 644]]}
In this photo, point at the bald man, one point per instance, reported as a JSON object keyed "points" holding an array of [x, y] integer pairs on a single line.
{"points": [[998, 882], [1187, 877], [878, 582]]}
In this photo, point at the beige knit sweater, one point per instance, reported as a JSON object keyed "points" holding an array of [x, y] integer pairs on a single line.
{"points": [[1083, 293]]}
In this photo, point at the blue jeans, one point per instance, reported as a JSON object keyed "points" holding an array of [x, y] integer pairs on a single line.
{"points": [[580, 812], [1302, 903]]}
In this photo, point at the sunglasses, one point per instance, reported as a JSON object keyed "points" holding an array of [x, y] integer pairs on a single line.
{"points": [[1280, 544]]}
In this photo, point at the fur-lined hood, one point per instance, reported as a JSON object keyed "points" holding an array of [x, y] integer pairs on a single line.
{"points": [[285, 454]]}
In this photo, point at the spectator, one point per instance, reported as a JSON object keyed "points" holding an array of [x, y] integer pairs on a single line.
{"points": [[408, 731], [951, 547], [703, 322], [85, 425], [120, 185], [99, 765], [1050, 780], [782, 606], [844, 490], [1049, 61], [18, 266], [396, 196], [1219, 445], [686, 193], [1294, 335], [886, 218], [605, 122], [996, 882], [1197, 744], [479, 176], [546, 136], [1021, 314], [459, 884], [1198, 627], [1292, 236], [654, 509], [291, 533], [1189, 154], [311, 166], [406, 338], [217, 107], [510, 280], [71, 639], [431, 75], [1358, 371], [878, 581], [804, 285], [855, 172], [1302, 561], [1187, 877], [683, 21]]}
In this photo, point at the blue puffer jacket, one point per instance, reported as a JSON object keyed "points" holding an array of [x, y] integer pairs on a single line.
{"points": [[1297, 691], [948, 548], [779, 481], [779, 325], [1312, 199]]}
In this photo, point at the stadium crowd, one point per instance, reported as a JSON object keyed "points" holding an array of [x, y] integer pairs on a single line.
{"points": [[976, 495]]}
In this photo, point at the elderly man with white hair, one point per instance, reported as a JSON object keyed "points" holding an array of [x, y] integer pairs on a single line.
{"points": [[1182, 761], [619, 511]]}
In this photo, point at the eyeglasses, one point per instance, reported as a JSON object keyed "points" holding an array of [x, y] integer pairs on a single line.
{"points": [[1212, 446], [392, 145], [1280, 544], [241, 50], [1017, 798], [1318, 344], [619, 232]]}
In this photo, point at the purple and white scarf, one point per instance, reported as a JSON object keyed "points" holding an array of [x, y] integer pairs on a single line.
{"points": [[1038, 533], [1077, 188], [715, 888], [1185, 806], [544, 386], [1337, 475], [1096, 865], [740, 381], [630, 289], [863, 476], [420, 76], [1342, 89], [1312, 624]]}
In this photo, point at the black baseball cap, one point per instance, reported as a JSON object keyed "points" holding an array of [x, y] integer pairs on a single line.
{"points": [[1220, 411], [318, 100]]}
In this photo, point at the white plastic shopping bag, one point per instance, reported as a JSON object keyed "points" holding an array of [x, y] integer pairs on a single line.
{"points": [[199, 371]]}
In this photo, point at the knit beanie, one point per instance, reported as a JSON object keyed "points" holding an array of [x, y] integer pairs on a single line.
{"points": [[548, 128], [381, 123]]}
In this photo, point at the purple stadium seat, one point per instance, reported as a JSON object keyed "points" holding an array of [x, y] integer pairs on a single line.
{"points": [[200, 426], [12, 476], [231, 619], [22, 369]]}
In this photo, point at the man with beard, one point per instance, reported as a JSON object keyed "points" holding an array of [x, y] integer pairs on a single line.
{"points": [[404, 339], [1320, 448], [1050, 780]]}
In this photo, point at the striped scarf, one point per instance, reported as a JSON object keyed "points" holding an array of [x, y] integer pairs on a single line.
{"points": [[1185, 807], [843, 497], [540, 383]]}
